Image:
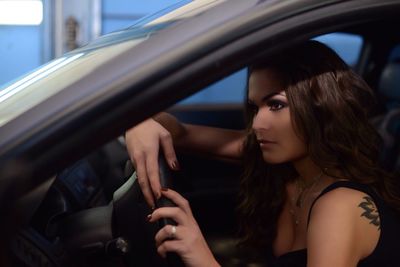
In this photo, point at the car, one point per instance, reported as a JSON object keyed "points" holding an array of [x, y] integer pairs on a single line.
{"points": [[68, 195]]}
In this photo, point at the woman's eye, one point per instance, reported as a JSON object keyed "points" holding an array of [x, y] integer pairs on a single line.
{"points": [[275, 105]]}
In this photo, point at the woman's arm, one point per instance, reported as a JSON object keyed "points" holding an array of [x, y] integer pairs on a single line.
{"points": [[144, 141], [218, 143], [211, 141]]}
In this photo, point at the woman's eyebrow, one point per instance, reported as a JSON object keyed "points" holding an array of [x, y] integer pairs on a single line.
{"points": [[265, 98], [268, 96]]}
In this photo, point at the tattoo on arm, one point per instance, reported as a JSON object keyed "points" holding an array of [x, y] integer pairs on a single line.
{"points": [[370, 211]]}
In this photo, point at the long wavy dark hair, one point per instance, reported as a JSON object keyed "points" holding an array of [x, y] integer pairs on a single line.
{"points": [[328, 105]]}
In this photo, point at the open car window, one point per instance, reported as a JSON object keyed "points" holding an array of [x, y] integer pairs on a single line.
{"points": [[348, 46], [231, 90]]}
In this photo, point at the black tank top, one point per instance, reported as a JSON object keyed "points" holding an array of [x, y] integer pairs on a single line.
{"points": [[386, 253]]}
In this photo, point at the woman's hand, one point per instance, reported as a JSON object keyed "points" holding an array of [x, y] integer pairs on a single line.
{"points": [[143, 143], [185, 238]]}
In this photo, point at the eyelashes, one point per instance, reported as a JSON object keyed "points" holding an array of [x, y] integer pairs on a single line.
{"points": [[272, 104], [275, 105]]}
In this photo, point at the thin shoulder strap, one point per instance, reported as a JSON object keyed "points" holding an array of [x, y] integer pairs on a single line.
{"points": [[348, 184]]}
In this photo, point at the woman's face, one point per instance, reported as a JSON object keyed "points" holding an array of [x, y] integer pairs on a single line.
{"points": [[272, 123]]}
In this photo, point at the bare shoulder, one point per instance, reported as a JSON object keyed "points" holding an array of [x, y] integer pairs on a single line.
{"points": [[356, 205], [339, 193], [345, 221], [341, 196]]}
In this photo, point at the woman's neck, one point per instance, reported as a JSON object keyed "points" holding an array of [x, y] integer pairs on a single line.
{"points": [[307, 169]]}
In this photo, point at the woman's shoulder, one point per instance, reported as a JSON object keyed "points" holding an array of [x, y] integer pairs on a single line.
{"points": [[336, 194], [342, 201], [340, 217], [348, 209], [349, 198]]}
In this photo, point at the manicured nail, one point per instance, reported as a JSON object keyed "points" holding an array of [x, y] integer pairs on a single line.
{"points": [[164, 189], [173, 165], [148, 218], [177, 167]]}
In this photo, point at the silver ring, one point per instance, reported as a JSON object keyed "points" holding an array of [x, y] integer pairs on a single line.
{"points": [[173, 232]]}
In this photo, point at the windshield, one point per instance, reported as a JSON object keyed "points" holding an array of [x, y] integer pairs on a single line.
{"points": [[35, 87]]}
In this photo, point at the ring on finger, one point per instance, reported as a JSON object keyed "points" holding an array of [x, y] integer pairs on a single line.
{"points": [[172, 234]]}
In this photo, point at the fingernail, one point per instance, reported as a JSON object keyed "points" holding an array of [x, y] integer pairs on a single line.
{"points": [[148, 218], [176, 164], [164, 189], [173, 165], [153, 208]]}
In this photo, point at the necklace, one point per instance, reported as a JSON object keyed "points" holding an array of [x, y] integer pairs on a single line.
{"points": [[303, 190]]}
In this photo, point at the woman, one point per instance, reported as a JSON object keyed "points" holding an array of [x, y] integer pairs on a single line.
{"points": [[312, 189]]}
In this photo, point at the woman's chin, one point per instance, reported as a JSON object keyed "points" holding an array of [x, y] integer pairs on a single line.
{"points": [[273, 159], [278, 158]]}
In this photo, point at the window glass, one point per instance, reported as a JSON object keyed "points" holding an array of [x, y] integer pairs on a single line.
{"points": [[226, 91], [232, 89], [348, 46]]}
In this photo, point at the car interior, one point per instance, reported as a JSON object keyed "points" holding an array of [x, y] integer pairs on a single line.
{"points": [[76, 226]]}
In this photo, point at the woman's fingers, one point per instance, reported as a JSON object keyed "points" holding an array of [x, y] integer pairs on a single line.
{"points": [[169, 151], [144, 184], [181, 214], [153, 173], [152, 165], [178, 199], [185, 238], [168, 232], [169, 246], [143, 143], [174, 213]]}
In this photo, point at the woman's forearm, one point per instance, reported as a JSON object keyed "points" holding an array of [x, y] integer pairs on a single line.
{"points": [[198, 139]]}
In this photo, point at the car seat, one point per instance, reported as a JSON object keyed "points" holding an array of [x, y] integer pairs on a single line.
{"points": [[388, 125]]}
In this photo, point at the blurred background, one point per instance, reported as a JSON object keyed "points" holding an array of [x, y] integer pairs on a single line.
{"points": [[33, 32]]}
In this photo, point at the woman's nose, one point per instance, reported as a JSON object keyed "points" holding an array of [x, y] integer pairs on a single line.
{"points": [[260, 120]]}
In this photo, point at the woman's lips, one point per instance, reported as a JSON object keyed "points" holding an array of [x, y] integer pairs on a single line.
{"points": [[265, 143]]}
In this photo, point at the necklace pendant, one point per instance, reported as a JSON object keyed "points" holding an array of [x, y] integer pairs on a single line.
{"points": [[295, 219]]}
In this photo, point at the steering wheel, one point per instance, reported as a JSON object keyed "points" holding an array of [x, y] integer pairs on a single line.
{"points": [[130, 212], [111, 233], [166, 180]]}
